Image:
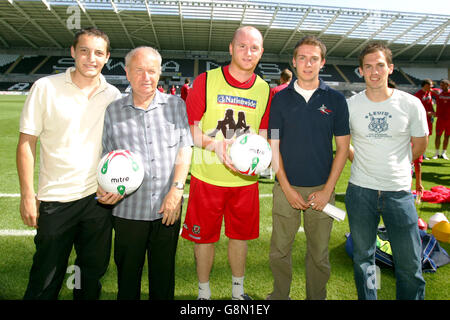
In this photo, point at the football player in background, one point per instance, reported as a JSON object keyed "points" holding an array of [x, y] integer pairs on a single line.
{"points": [[443, 120], [426, 95]]}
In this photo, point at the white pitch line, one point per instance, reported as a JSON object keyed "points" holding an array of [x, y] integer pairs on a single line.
{"points": [[17, 233], [17, 195], [263, 195], [32, 233]]}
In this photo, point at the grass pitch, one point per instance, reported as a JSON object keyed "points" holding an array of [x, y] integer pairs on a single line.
{"points": [[16, 252]]}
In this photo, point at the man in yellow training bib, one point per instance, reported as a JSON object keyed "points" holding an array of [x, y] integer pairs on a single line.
{"points": [[222, 101]]}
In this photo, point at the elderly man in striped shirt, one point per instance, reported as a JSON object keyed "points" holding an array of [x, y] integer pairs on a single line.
{"points": [[153, 125]]}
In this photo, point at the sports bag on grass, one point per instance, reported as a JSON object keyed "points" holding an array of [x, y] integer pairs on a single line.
{"points": [[433, 255]]}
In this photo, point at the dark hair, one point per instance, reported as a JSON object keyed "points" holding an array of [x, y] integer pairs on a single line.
{"points": [[91, 31], [374, 47], [313, 41], [426, 81]]}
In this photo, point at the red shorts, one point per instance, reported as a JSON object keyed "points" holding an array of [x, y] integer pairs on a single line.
{"points": [[209, 204], [443, 125]]}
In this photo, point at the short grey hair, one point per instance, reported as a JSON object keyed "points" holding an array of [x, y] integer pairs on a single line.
{"points": [[151, 50]]}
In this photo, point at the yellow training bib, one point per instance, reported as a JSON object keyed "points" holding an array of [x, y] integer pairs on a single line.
{"points": [[229, 112]]}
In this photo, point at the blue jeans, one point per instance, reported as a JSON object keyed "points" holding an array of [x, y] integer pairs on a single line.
{"points": [[364, 208]]}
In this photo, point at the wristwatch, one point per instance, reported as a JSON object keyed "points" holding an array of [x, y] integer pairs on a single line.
{"points": [[179, 185]]}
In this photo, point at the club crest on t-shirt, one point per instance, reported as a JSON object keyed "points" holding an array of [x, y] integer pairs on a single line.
{"points": [[378, 124]]}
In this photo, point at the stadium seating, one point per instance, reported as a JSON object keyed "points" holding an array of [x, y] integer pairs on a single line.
{"points": [[15, 86], [27, 64], [6, 60], [56, 65], [398, 78], [351, 73], [174, 71], [329, 73]]}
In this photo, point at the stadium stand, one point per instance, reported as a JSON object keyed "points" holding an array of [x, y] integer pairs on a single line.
{"points": [[193, 37], [55, 65], [174, 71], [22, 71], [178, 67], [330, 73], [15, 86], [6, 60], [351, 73], [401, 78], [204, 65], [27, 65]]}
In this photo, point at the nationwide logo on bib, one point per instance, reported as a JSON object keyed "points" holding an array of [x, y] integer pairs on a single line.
{"points": [[236, 101]]}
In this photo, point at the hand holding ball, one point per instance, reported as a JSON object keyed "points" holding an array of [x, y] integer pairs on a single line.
{"points": [[250, 154], [120, 171]]}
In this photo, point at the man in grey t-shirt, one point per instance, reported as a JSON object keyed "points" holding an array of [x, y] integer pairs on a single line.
{"points": [[384, 122]]}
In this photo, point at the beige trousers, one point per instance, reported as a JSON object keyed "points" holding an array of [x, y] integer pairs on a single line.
{"points": [[286, 222]]}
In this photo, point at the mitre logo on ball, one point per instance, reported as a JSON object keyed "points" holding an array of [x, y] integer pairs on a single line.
{"points": [[120, 171], [250, 154]]}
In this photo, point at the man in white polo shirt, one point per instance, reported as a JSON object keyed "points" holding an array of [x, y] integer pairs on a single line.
{"points": [[65, 112]]}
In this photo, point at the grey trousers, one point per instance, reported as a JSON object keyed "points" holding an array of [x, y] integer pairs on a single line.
{"points": [[286, 222]]}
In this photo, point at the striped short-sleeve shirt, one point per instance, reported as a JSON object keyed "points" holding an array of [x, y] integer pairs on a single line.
{"points": [[156, 135]]}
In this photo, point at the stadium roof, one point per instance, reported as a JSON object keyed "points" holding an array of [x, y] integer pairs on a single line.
{"points": [[203, 28]]}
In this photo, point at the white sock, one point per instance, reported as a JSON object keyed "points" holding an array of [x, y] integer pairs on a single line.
{"points": [[204, 291], [238, 286]]}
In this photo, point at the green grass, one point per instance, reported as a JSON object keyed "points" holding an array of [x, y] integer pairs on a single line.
{"points": [[16, 252], [9, 126]]}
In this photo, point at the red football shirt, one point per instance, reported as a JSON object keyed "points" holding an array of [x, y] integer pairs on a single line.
{"points": [[196, 99], [443, 106], [277, 89], [184, 91], [427, 99]]}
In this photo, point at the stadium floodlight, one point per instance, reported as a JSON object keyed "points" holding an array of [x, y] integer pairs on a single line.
{"points": [[46, 4]]}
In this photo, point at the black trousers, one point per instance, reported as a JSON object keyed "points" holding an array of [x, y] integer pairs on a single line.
{"points": [[83, 223], [133, 239]]}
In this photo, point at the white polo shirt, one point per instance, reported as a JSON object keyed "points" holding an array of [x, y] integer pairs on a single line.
{"points": [[381, 135], [69, 126]]}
